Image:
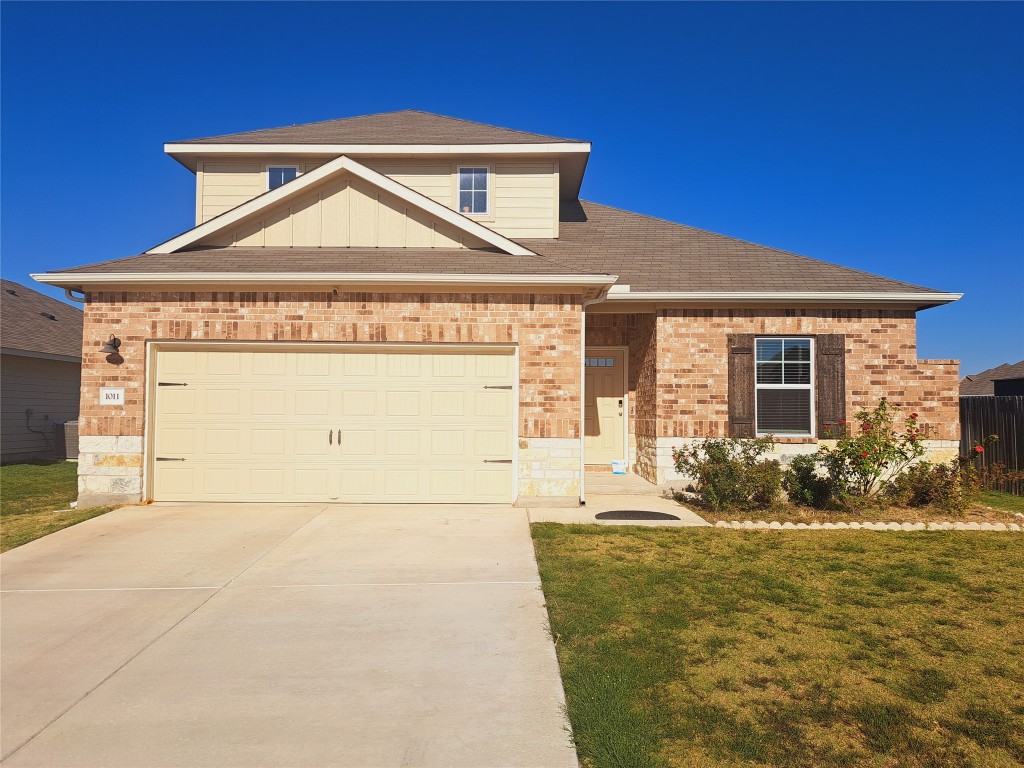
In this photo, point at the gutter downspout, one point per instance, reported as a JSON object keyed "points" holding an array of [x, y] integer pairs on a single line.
{"points": [[583, 371], [71, 296]]}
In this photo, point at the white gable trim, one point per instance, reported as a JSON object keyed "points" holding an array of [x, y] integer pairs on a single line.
{"points": [[335, 167]]}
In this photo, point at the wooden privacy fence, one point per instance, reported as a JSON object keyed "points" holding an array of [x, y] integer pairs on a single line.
{"points": [[1003, 416]]}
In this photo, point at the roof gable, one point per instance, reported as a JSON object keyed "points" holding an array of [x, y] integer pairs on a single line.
{"points": [[342, 203], [408, 126], [38, 324]]}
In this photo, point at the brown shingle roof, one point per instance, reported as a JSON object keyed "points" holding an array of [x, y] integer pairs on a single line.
{"points": [[408, 126], [384, 260], [652, 254], [981, 384], [32, 322], [647, 254]]}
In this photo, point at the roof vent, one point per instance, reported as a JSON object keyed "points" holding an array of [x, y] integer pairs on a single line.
{"points": [[48, 316], [11, 291]]}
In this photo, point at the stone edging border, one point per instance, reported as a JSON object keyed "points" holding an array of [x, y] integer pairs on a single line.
{"points": [[775, 525]]}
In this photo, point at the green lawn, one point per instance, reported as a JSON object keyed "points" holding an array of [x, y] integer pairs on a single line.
{"points": [[1007, 502], [728, 648], [34, 501]]}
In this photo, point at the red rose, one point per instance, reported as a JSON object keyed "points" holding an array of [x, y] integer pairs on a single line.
{"points": [[863, 454], [913, 415], [866, 427], [842, 422], [979, 449], [912, 438]]}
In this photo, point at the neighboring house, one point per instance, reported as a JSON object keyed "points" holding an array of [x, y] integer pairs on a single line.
{"points": [[410, 307], [40, 372], [1004, 379]]}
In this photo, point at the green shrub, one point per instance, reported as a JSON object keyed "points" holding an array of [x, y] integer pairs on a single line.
{"points": [[805, 485], [865, 460], [954, 486], [731, 473]]}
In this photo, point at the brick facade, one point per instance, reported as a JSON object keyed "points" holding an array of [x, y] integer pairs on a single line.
{"points": [[545, 327], [678, 363], [680, 391]]}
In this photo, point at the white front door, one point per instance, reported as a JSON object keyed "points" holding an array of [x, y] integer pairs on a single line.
{"points": [[604, 422]]}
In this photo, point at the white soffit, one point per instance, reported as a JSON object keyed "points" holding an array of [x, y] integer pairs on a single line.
{"points": [[336, 167]]}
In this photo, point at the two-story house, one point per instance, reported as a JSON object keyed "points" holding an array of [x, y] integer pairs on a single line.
{"points": [[406, 307]]}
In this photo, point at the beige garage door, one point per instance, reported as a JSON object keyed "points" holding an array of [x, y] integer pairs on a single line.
{"points": [[326, 425]]}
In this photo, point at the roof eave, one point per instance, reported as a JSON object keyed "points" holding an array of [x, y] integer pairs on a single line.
{"points": [[81, 280], [187, 153], [918, 300]]}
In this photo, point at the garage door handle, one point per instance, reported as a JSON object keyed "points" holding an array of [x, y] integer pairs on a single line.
{"points": [[165, 458], [170, 384], [497, 386], [330, 437], [497, 461]]}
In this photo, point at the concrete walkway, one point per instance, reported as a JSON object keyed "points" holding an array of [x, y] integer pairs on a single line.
{"points": [[268, 635], [608, 493]]}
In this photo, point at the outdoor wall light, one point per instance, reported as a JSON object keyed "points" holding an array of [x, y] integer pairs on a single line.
{"points": [[112, 345]]}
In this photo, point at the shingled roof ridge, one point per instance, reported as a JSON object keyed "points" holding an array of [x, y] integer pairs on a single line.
{"points": [[759, 245], [377, 114]]}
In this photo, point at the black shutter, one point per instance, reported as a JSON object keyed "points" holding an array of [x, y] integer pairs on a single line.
{"points": [[830, 381], [741, 385]]}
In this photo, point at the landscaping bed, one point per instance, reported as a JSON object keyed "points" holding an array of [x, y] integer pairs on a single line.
{"points": [[35, 500], [729, 648], [791, 513]]}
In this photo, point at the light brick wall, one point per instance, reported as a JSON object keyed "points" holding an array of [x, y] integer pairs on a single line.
{"points": [[679, 372], [881, 361], [546, 329]]}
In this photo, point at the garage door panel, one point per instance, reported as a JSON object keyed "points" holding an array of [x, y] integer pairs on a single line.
{"points": [[334, 425], [402, 403], [358, 442]]}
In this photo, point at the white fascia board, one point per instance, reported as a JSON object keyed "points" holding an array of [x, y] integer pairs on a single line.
{"points": [[785, 296], [379, 149], [311, 278], [335, 167]]}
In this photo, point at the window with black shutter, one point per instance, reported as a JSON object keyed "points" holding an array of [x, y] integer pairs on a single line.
{"points": [[787, 386], [784, 382]]}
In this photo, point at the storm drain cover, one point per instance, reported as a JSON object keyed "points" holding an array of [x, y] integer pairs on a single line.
{"points": [[634, 514]]}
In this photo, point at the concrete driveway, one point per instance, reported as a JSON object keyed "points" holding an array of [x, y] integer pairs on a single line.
{"points": [[272, 635]]}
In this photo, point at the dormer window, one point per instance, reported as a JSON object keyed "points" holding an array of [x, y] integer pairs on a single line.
{"points": [[473, 190], [280, 174]]}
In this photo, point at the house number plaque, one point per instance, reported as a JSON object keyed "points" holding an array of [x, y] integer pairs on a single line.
{"points": [[111, 395]]}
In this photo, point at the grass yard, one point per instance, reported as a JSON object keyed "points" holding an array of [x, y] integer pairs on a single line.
{"points": [[1006, 502], [728, 648], [34, 501]]}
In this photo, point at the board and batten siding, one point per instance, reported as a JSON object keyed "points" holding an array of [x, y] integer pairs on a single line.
{"points": [[343, 213], [524, 196], [51, 390]]}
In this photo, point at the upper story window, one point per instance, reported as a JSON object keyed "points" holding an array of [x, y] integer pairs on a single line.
{"points": [[280, 174], [784, 386], [473, 190]]}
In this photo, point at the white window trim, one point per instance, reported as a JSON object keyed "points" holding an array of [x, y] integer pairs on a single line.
{"points": [[490, 189], [268, 166], [810, 386]]}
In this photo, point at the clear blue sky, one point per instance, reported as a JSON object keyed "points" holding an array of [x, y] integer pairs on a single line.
{"points": [[886, 137]]}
